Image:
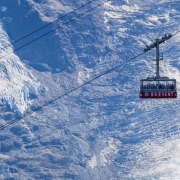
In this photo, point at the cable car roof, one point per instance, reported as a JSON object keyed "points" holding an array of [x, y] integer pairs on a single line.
{"points": [[157, 79]]}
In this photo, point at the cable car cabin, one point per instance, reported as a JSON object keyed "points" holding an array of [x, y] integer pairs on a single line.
{"points": [[157, 87], [162, 87]]}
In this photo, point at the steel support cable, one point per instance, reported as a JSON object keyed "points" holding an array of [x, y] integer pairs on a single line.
{"points": [[66, 23], [72, 90], [51, 23], [176, 33], [67, 93]]}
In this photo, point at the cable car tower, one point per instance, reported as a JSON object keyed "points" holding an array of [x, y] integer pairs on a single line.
{"points": [[158, 87]]}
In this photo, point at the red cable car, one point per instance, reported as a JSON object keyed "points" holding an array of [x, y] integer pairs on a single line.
{"points": [[161, 87], [157, 87]]}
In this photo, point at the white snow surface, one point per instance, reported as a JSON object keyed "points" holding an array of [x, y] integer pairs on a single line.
{"points": [[15, 79], [101, 130], [4, 8], [50, 10]]}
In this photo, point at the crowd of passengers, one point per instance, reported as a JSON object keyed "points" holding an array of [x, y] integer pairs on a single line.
{"points": [[159, 86]]}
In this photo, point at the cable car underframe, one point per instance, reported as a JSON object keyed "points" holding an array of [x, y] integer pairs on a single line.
{"points": [[157, 87]]}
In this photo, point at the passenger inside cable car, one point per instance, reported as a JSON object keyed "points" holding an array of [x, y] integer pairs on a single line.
{"points": [[166, 85], [158, 88]]}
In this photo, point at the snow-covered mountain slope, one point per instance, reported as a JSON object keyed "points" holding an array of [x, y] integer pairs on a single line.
{"points": [[102, 130], [17, 84]]}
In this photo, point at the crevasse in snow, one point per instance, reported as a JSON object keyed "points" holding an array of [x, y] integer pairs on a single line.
{"points": [[16, 80]]}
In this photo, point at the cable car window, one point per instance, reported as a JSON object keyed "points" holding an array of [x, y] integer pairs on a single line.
{"points": [[146, 85], [162, 85], [154, 85], [171, 85]]}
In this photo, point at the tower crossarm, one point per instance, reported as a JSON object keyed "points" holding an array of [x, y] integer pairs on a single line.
{"points": [[163, 39]]}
